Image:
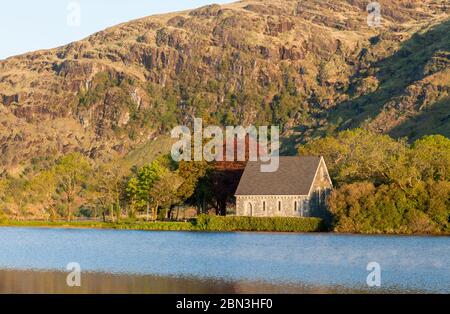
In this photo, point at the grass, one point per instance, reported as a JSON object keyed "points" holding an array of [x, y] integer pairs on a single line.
{"points": [[126, 225], [204, 224]]}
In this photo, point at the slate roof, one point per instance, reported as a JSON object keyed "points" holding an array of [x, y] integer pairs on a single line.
{"points": [[295, 176]]}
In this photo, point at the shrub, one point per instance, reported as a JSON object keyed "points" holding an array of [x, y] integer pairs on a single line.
{"points": [[267, 224], [202, 222], [364, 208], [155, 226]]}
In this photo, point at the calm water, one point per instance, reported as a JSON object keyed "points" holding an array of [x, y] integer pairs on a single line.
{"points": [[408, 264]]}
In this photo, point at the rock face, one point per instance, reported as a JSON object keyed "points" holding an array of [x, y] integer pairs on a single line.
{"points": [[306, 65]]}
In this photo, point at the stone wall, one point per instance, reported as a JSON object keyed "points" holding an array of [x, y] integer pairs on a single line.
{"points": [[272, 206], [321, 188]]}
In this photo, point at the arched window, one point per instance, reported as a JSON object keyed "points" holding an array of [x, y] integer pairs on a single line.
{"points": [[319, 196], [295, 206], [279, 206], [250, 209], [264, 206]]}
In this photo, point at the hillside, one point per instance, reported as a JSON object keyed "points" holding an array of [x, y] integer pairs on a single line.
{"points": [[314, 67]]}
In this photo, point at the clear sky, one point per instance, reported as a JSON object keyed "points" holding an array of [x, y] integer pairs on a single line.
{"points": [[27, 25]]}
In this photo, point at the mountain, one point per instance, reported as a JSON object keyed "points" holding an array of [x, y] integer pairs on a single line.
{"points": [[314, 67]]}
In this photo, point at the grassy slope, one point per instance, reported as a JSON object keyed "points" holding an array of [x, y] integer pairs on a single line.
{"points": [[413, 88]]}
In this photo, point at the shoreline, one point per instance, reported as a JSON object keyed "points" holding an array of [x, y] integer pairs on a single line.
{"points": [[181, 227]]}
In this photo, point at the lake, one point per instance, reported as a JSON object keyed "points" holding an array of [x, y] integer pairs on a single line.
{"points": [[34, 260]]}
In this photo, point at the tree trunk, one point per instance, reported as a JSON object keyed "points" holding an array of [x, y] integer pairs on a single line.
{"points": [[203, 205], [119, 209], [111, 209], [52, 213], [118, 212], [223, 208], [155, 212], [169, 213], [69, 210]]}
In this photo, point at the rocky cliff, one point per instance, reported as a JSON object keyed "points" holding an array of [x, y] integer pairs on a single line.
{"points": [[313, 67]]}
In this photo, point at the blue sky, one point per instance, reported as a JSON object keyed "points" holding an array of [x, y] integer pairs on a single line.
{"points": [[27, 25]]}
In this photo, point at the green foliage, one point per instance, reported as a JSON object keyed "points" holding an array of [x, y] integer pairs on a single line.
{"points": [[43, 187], [362, 207], [359, 155], [71, 172], [264, 224], [107, 187], [432, 157], [164, 192], [146, 178], [132, 194], [155, 185], [202, 222], [102, 82], [154, 226], [14, 196], [385, 185], [191, 172]]}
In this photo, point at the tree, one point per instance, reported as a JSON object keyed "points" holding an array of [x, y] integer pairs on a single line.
{"points": [[203, 194], [110, 180], [431, 155], [132, 195], [164, 192], [360, 155], [439, 205], [43, 186], [96, 200], [217, 186], [71, 172], [138, 188], [364, 207], [191, 172], [15, 193]]}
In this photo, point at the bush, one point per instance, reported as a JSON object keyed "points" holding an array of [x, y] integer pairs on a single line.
{"points": [[365, 208], [154, 226], [267, 224]]}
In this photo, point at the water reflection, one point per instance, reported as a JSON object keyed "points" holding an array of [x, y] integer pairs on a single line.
{"points": [[51, 282]]}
